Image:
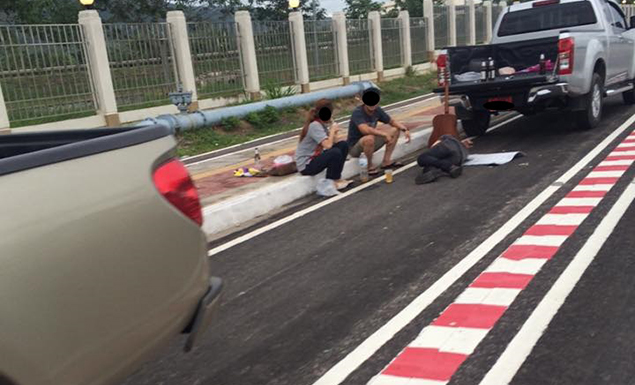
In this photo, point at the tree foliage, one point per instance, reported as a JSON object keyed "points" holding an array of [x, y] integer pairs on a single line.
{"points": [[356, 9], [39, 11]]}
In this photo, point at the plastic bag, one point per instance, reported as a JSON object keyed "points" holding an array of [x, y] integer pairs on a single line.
{"points": [[326, 188]]}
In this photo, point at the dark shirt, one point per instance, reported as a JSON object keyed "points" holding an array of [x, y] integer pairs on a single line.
{"points": [[459, 152], [360, 116]]}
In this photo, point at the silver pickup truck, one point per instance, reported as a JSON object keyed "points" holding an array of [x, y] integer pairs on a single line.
{"points": [[546, 54], [102, 259]]}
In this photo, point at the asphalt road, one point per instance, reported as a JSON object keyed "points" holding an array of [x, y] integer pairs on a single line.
{"points": [[302, 296]]}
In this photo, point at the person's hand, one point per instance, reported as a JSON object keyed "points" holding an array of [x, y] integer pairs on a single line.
{"points": [[335, 129], [387, 136], [407, 134], [467, 143]]}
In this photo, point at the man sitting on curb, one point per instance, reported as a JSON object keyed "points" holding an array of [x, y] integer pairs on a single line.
{"points": [[444, 158], [364, 136]]}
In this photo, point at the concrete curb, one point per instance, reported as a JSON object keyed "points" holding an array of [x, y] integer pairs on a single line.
{"points": [[233, 212]]}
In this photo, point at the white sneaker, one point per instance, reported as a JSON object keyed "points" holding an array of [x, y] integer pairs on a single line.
{"points": [[327, 188]]}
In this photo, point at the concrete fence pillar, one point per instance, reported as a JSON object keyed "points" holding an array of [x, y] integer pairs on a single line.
{"points": [[4, 116], [488, 21], [452, 23], [99, 66], [299, 44], [339, 26], [247, 49], [374, 19], [406, 43], [428, 14], [471, 21], [181, 44], [503, 5]]}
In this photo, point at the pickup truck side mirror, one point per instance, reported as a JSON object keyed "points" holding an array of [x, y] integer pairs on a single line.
{"points": [[632, 22]]}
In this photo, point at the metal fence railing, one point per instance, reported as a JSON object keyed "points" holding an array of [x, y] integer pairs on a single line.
{"points": [[480, 23], [360, 52], [418, 40], [441, 24], [462, 26], [391, 42], [274, 52], [142, 63], [321, 46], [629, 10], [216, 58], [44, 73]]}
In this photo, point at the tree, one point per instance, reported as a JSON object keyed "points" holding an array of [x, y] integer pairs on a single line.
{"points": [[128, 11], [414, 7], [269, 9], [40, 11], [357, 9]]}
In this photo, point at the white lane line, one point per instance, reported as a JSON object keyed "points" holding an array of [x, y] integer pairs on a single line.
{"points": [[384, 379], [541, 240], [621, 162], [496, 296], [368, 347], [562, 219], [579, 202], [605, 174], [593, 187], [529, 266], [523, 343]]}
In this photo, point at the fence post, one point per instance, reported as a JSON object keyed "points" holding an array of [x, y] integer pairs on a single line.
{"points": [[428, 14], [488, 21], [181, 44], [452, 23], [471, 22], [299, 44], [406, 42], [99, 66], [339, 24], [247, 49], [4, 116], [502, 4], [375, 31]]}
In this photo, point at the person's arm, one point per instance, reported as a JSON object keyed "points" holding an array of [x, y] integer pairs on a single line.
{"points": [[331, 139], [365, 129]]}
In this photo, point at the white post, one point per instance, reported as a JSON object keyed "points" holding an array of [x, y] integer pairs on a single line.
{"points": [[248, 52], [99, 66], [503, 5], [488, 21], [4, 116], [375, 31], [428, 14], [339, 25], [452, 23], [406, 43], [299, 44], [181, 43], [471, 21]]}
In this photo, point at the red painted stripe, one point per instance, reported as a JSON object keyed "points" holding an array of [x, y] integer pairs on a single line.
{"points": [[502, 280], [611, 168], [620, 157], [622, 149], [588, 181], [627, 140], [517, 252], [550, 230], [462, 315], [425, 363], [586, 194], [571, 210]]}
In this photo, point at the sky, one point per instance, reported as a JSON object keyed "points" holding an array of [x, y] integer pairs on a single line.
{"points": [[332, 5]]}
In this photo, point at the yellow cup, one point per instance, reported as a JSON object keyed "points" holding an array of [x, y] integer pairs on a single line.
{"points": [[388, 176]]}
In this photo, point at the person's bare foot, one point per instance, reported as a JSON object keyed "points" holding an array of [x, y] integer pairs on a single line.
{"points": [[342, 184]]}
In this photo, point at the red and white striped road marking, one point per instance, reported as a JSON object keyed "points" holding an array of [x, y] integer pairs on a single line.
{"points": [[441, 347]]}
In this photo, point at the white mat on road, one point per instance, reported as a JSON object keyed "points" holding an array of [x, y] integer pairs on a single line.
{"points": [[495, 159]]}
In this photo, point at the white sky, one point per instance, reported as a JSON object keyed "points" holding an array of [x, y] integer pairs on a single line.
{"points": [[333, 5]]}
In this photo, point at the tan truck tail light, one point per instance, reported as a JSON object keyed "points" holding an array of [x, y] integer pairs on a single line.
{"points": [[565, 56], [174, 183]]}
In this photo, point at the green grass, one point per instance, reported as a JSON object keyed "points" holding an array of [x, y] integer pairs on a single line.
{"points": [[271, 121]]}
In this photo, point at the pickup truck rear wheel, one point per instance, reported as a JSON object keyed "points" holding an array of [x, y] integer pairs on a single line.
{"points": [[629, 97], [594, 102], [478, 125]]}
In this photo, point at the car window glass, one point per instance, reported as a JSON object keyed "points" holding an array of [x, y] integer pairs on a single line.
{"points": [[618, 20], [547, 17]]}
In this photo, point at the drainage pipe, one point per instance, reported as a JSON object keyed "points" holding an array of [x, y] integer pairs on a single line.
{"points": [[199, 119]]}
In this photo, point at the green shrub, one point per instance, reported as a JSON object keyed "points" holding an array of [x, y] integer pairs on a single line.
{"points": [[254, 119], [273, 91], [230, 124], [269, 115], [411, 72]]}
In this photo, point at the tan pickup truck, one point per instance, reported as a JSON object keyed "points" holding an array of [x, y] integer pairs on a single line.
{"points": [[102, 260]]}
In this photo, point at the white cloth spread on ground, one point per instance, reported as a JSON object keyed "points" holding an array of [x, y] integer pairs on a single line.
{"points": [[495, 159]]}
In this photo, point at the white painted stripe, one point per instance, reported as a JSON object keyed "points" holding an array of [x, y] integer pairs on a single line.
{"points": [[541, 240], [579, 202], [605, 174], [562, 219], [488, 296], [593, 187], [524, 266], [523, 343], [340, 371], [449, 339], [623, 153], [626, 145], [383, 379], [621, 162]]}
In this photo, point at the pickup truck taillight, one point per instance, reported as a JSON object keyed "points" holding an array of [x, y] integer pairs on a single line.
{"points": [[174, 183], [565, 56], [442, 61]]}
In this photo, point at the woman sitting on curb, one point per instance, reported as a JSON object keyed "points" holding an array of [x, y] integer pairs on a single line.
{"points": [[444, 158], [320, 148]]}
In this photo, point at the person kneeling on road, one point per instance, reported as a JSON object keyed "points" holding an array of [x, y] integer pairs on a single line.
{"points": [[363, 136], [444, 158], [320, 147]]}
